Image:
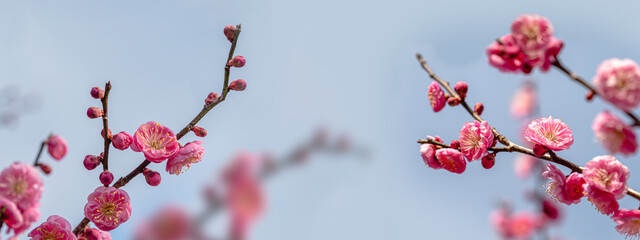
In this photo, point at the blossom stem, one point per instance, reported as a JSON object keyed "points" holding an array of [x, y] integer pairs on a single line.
{"points": [[463, 102], [558, 64], [36, 162], [509, 146], [138, 170], [105, 124]]}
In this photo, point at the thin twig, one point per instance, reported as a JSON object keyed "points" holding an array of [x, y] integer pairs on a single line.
{"points": [[36, 162], [105, 124]]}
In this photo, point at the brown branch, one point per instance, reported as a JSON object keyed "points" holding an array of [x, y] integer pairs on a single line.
{"points": [[558, 64], [138, 170], [510, 146], [105, 124], [36, 162]]}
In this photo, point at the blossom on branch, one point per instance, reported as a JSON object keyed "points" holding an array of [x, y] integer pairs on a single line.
{"points": [[607, 174], [475, 138], [549, 132], [628, 222], [436, 96], [156, 141], [55, 227], [190, 153], [567, 190], [615, 135], [452, 160], [618, 82], [108, 207]]}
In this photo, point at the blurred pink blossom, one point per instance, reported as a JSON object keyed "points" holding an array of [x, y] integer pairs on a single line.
{"points": [[525, 165], [21, 184], [246, 202], [618, 81], [615, 135], [57, 147], [524, 101], [171, 222]]}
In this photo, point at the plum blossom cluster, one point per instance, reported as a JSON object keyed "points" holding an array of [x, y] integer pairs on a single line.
{"points": [[525, 224], [530, 44]]}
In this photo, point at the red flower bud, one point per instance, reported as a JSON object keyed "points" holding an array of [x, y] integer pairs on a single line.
{"points": [[46, 168], [94, 112], [91, 162], [589, 95], [97, 93], [106, 177], [461, 88], [238, 85], [488, 161], [212, 97], [230, 32], [237, 61], [453, 101], [478, 108], [200, 132], [153, 178], [455, 144], [539, 150]]}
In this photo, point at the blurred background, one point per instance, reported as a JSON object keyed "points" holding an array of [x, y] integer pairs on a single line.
{"points": [[348, 66]]}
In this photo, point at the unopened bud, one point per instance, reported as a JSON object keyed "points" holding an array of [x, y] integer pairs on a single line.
{"points": [[91, 162], [230, 32], [106, 177], [237, 61], [539, 150], [153, 178], [212, 97], [46, 168], [122, 140], [453, 101], [200, 132], [438, 139], [109, 134], [478, 108], [589, 95], [238, 85], [455, 144], [97, 93], [488, 161], [94, 112], [92, 234], [461, 88]]}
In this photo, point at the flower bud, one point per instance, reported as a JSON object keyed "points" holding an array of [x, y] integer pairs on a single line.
{"points": [[57, 147], [153, 178], [455, 144], [589, 95], [237, 61], [539, 150], [94, 112], [438, 139], [238, 85], [106, 177], [453, 101], [488, 161], [478, 108], [92, 234], [461, 88], [199, 131], [97, 93], [122, 140], [109, 134], [212, 97], [46, 168], [230, 32], [91, 162]]}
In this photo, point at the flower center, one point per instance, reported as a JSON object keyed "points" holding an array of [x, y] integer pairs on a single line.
{"points": [[108, 209], [19, 187], [531, 31], [550, 135], [604, 177]]}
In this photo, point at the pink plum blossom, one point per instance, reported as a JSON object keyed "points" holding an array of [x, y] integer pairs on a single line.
{"points": [[507, 56], [428, 153], [532, 32], [604, 202], [55, 227], [615, 135], [29, 216], [190, 153], [524, 101], [21, 184], [96, 234], [121, 140], [475, 138], [11, 215], [242, 165], [57, 147], [628, 222], [246, 202], [524, 165], [108, 207], [567, 190], [156, 141], [618, 81], [436, 96], [520, 225], [607, 174], [452, 160], [169, 223], [549, 132]]}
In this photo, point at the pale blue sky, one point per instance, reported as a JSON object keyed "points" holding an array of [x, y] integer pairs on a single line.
{"points": [[348, 65]]}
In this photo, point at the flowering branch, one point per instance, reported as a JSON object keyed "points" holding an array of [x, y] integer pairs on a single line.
{"points": [[510, 146], [558, 64], [105, 123], [138, 170]]}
